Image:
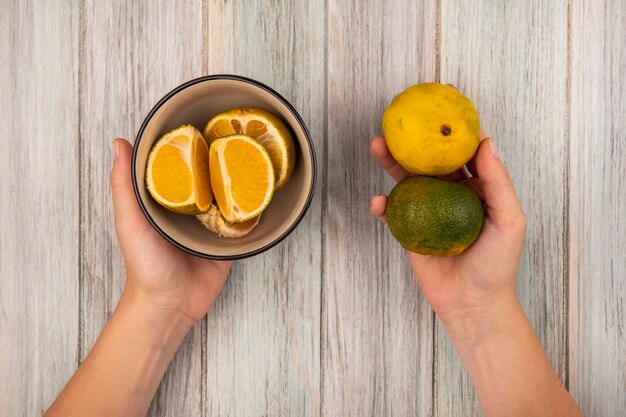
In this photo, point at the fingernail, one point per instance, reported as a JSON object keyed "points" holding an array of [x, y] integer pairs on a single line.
{"points": [[115, 147], [492, 148]]}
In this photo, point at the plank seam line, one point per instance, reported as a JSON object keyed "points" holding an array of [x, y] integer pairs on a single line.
{"points": [[433, 398], [438, 12], [205, 37], [203, 366], [566, 194], [323, 210], [81, 251], [204, 326]]}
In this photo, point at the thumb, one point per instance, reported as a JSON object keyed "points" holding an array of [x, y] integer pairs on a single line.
{"points": [[503, 206], [127, 211]]}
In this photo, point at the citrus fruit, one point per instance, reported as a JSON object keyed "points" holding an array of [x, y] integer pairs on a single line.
{"points": [[431, 129], [263, 126], [434, 217], [242, 177], [215, 222], [177, 173]]}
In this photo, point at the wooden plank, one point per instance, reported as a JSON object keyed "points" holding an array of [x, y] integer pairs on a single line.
{"points": [[263, 337], [597, 214], [38, 202], [511, 60], [377, 343], [133, 53]]}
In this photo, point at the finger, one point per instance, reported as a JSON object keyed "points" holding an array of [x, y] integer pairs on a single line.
{"points": [[456, 176], [476, 185], [380, 151], [127, 211], [503, 206], [378, 205], [471, 164]]}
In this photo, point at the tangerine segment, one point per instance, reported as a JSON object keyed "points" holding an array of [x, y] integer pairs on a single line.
{"points": [[204, 196], [171, 175], [242, 177], [221, 128], [218, 183], [177, 173]]}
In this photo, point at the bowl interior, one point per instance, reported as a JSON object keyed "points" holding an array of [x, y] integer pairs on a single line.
{"points": [[196, 104]]}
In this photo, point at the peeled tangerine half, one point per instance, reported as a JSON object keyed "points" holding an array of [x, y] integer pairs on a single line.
{"points": [[266, 129], [177, 175], [242, 177]]}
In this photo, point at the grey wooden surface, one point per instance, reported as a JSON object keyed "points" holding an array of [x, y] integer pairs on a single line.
{"points": [[39, 202], [597, 207], [511, 59], [130, 55], [329, 322], [263, 336], [377, 340]]}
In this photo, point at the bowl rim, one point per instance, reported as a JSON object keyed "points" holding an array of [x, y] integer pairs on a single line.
{"points": [[289, 107]]}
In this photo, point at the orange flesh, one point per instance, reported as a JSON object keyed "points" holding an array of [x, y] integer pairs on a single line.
{"points": [[224, 127], [171, 175], [201, 174], [255, 128], [216, 178], [240, 176], [237, 126], [220, 129], [247, 190]]}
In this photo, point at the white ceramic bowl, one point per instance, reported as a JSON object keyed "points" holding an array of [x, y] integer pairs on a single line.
{"points": [[196, 102]]}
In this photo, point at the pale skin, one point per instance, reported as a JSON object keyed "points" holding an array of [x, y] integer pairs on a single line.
{"points": [[475, 297], [167, 291]]}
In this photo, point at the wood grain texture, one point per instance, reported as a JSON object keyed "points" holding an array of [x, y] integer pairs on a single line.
{"points": [[377, 342], [133, 53], [38, 202], [330, 322], [511, 60], [263, 336], [598, 207]]}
